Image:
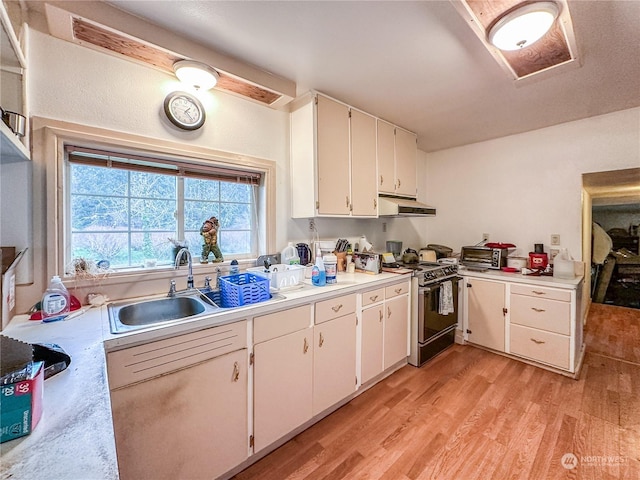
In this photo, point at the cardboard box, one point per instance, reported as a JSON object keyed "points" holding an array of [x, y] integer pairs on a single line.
{"points": [[21, 404], [8, 284]]}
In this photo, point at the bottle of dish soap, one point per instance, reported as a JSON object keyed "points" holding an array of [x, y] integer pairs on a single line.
{"points": [[56, 300], [318, 273]]}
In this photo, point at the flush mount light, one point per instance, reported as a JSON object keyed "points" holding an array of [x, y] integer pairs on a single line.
{"points": [[522, 25], [196, 74]]}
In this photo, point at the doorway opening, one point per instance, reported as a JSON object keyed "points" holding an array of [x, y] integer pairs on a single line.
{"points": [[611, 231]]}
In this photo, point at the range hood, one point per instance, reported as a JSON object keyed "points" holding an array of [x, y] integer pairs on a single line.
{"points": [[403, 207]]}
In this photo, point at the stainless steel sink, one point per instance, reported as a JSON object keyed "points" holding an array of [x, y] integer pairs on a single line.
{"points": [[126, 316]]}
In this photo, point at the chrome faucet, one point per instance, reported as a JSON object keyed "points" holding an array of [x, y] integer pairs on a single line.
{"points": [[181, 252]]}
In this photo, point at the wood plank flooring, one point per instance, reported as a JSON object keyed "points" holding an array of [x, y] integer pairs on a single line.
{"points": [[470, 414]]}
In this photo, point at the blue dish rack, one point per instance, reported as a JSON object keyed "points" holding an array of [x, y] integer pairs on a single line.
{"points": [[243, 289]]}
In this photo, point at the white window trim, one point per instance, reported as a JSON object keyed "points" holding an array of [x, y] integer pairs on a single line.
{"points": [[49, 138]]}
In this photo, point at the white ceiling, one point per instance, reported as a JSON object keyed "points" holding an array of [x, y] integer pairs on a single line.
{"points": [[417, 64]]}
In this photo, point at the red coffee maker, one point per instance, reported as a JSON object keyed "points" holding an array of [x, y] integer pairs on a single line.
{"points": [[538, 259]]}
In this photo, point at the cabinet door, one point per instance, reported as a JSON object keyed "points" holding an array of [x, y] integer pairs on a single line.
{"points": [[372, 331], [406, 163], [191, 423], [334, 197], [485, 323], [386, 158], [282, 374], [334, 361], [364, 188], [396, 330]]}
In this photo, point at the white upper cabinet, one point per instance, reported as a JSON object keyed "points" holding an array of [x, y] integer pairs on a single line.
{"points": [[333, 160], [397, 160], [12, 74]]}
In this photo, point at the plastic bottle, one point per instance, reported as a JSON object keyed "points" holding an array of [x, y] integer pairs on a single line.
{"points": [[235, 269], [330, 267], [289, 255], [56, 300], [318, 274]]}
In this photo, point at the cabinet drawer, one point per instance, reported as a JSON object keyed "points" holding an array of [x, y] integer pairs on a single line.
{"points": [[372, 296], [281, 323], [139, 363], [545, 347], [540, 313], [397, 289], [334, 308], [541, 292]]}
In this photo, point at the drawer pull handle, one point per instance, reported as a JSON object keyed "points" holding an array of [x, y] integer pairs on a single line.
{"points": [[321, 341], [398, 291], [347, 197], [388, 311], [381, 179], [537, 342], [336, 308], [381, 315], [537, 292], [236, 372], [538, 309], [373, 298], [305, 347]]}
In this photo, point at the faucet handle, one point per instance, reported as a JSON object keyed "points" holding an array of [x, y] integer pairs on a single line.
{"points": [[172, 288], [207, 282]]}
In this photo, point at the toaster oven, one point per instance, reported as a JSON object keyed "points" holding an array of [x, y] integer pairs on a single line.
{"points": [[482, 257]]}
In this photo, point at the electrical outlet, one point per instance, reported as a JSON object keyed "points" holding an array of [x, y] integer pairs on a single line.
{"points": [[555, 239], [384, 227], [312, 225], [485, 237]]}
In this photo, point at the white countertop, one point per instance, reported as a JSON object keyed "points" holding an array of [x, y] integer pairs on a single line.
{"points": [[74, 439], [517, 277]]}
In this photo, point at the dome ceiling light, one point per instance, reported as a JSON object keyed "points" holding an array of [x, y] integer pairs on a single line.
{"points": [[522, 25], [531, 39], [196, 74]]}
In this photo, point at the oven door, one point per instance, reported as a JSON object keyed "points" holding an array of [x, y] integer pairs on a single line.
{"points": [[430, 322]]}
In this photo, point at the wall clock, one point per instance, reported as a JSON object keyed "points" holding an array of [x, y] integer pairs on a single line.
{"points": [[184, 110]]}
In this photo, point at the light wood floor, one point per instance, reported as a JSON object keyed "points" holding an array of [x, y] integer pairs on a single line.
{"points": [[470, 414]]}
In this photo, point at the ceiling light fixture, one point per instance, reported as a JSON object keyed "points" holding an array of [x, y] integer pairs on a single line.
{"points": [[196, 74], [523, 25]]}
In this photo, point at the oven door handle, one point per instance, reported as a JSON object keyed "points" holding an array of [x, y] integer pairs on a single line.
{"points": [[454, 279]]}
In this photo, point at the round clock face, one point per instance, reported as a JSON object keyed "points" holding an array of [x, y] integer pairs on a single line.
{"points": [[184, 110]]}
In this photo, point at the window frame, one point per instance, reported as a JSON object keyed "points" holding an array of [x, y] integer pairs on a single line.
{"points": [[181, 171], [49, 140]]}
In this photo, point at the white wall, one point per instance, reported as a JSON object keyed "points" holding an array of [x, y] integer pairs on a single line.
{"points": [[523, 188]]}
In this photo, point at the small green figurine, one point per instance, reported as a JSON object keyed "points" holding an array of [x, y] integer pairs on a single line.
{"points": [[209, 232]]}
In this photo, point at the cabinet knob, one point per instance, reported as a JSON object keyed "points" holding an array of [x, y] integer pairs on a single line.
{"points": [[305, 347], [236, 372], [321, 341], [336, 308]]}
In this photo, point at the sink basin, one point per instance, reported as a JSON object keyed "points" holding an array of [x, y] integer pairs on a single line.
{"points": [[125, 316]]}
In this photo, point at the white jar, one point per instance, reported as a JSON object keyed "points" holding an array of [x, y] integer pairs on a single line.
{"points": [[331, 268]]}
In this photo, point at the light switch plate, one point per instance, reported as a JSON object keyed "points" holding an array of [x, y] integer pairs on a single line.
{"points": [[555, 239]]}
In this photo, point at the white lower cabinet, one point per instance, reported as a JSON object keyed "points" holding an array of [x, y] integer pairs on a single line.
{"points": [[485, 322], [334, 361], [372, 342], [282, 373], [191, 423], [540, 323], [395, 330]]}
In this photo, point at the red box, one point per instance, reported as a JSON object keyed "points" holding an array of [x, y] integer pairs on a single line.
{"points": [[21, 405]]}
